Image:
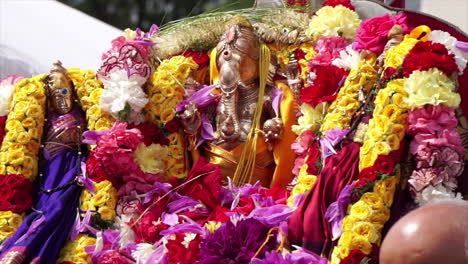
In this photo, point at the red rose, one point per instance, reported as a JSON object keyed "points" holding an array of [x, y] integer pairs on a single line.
{"points": [[201, 58], [15, 193], [354, 257], [204, 183], [172, 126], [373, 32], [300, 54], [313, 157], [333, 3], [368, 174], [426, 55], [151, 133], [96, 172], [360, 184], [326, 85], [385, 164]]}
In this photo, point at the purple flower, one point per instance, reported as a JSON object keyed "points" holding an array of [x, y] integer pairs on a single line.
{"points": [[463, 46], [277, 98], [90, 136], [337, 211], [331, 138], [273, 215], [202, 98], [300, 257], [236, 244]]}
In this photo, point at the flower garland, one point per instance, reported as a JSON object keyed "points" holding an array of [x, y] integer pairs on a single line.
{"points": [[379, 173], [74, 252], [19, 151], [165, 91], [436, 146], [89, 90]]}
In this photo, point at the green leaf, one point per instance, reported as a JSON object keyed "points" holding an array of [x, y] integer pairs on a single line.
{"points": [[124, 113]]}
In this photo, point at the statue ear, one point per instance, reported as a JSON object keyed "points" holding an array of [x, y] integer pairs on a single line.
{"points": [[268, 3]]}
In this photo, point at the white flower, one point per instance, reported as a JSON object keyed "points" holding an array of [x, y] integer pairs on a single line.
{"points": [[120, 90], [349, 58], [310, 119], [432, 194], [143, 252], [442, 37], [334, 21], [6, 90], [127, 235]]}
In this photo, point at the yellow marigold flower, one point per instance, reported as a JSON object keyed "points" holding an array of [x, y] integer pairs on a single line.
{"points": [[87, 205], [176, 151], [15, 157], [13, 125], [386, 190], [10, 136], [32, 145], [361, 243], [157, 98], [167, 115], [103, 186], [334, 21], [150, 158], [381, 216], [431, 87], [21, 107], [394, 56], [372, 199], [392, 112], [367, 146], [393, 141], [15, 220], [399, 100], [2, 168], [107, 213], [343, 251], [348, 223], [34, 111], [29, 88], [399, 131], [100, 199], [29, 122], [308, 181], [168, 91], [367, 160], [94, 112], [381, 123], [298, 189], [360, 210], [382, 148], [366, 230]]}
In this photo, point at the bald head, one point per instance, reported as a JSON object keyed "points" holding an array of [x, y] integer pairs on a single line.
{"points": [[433, 234]]}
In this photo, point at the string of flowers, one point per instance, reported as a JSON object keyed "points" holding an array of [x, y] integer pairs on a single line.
{"points": [[371, 196], [19, 150], [436, 146], [165, 90]]}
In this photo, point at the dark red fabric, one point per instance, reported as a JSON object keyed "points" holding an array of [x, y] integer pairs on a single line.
{"points": [[307, 226]]}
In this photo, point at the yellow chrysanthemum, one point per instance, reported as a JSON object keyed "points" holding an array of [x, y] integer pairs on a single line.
{"points": [[334, 21], [150, 158]]}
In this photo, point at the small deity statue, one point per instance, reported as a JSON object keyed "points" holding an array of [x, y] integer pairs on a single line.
{"points": [[246, 126], [45, 230]]}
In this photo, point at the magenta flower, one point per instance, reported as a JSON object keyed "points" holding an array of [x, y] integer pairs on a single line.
{"points": [[328, 49], [432, 119]]}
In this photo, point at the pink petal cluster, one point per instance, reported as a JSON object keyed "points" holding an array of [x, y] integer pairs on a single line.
{"points": [[328, 49], [373, 32], [437, 148], [115, 151]]}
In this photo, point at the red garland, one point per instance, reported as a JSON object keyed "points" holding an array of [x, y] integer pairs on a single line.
{"points": [[333, 3], [2, 128], [15, 193], [426, 55], [326, 85]]}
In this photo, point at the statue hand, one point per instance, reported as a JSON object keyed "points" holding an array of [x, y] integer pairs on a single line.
{"points": [[191, 119], [273, 129]]}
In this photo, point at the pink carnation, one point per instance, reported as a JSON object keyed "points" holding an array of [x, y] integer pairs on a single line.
{"points": [[423, 177], [447, 138], [114, 151], [328, 49], [114, 257], [302, 143], [11, 80], [298, 163], [373, 32], [116, 45], [452, 161], [432, 119]]}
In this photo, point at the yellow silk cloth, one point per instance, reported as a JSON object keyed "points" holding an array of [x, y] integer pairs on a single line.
{"points": [[282, 152], [229, 159]]}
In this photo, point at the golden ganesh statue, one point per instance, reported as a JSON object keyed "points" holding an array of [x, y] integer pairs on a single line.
{"points": [[248, 127]]}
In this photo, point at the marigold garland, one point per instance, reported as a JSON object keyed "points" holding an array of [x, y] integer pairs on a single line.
{"points": [[104, 200], [165, 91], [88, 90], [362, 226]]}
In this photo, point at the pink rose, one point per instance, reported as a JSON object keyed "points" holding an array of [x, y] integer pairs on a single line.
{"points": [[373, 32], [432, 119]]}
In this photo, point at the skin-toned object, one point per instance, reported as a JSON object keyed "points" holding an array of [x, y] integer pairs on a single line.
{"points": [[433, 234]]}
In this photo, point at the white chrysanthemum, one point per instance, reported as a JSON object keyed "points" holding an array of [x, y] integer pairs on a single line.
{"points": [[349, 58], [310, 119], [5, 94], [127, 235], [432, 194], [143, 252], [442, 37], [120, 90], [334, 21]]}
